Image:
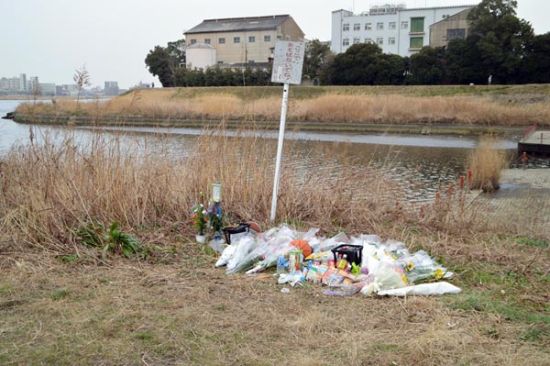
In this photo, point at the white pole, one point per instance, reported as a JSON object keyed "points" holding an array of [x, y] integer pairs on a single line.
{"points": [[284, 109]]}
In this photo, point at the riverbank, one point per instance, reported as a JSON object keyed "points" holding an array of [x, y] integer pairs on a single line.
{"points": [[427, 110], [352, 128], [66, 301]]}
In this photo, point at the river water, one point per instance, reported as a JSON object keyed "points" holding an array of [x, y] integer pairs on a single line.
{"points": [[422, 164]]}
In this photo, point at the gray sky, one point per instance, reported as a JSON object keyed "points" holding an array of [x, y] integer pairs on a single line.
{"points": [[50, 38]]}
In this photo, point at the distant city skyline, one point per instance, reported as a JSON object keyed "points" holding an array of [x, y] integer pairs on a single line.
{"points": [[111, 38], [23, 85]]}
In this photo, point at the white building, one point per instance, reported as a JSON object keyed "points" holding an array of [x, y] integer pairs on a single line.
{"points": [[33, 84], [200, 56], [47, 89], [396, 29], [22, 83]]}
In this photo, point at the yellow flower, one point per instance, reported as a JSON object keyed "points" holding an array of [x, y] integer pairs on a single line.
{"points": [[439, 274]]}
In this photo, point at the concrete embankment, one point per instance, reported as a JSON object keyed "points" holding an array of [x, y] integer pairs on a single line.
{"points": [[426, 128]]}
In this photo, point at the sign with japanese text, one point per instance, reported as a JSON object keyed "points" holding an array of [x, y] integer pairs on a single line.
{"points": [[288, 61]]}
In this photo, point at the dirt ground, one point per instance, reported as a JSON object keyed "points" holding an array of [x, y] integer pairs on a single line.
{"points": [[179, 310]]}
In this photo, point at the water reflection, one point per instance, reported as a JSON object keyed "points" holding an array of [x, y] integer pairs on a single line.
{"points": [[421, 164]]}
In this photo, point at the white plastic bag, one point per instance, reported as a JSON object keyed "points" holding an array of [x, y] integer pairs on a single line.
{"points": [[242, 249], [226, 255], [425, 289]]}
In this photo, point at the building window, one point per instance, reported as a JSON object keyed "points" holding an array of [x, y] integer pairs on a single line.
{"points": [[368, 26], [380, 41], [356, 41], [456, 33], [417, 43], [207, 40], [379, 26], [221, 40], [368, 40], [236, 39], [391, 40], [267, 38], [345, 42], [356, 27], [417, 25], [345, 28], [193, 41], [404, 25], [251, 39], [392, 25]]}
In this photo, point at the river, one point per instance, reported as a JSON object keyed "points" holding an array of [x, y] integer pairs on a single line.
{"points": [[422, 164]]}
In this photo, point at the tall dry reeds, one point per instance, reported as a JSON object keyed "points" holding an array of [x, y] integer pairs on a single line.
{"points": [[486, 163], [329, 107], [48, 191]]}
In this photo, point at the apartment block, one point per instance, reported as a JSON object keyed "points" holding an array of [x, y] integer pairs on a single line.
{"points": [[395, 28]]}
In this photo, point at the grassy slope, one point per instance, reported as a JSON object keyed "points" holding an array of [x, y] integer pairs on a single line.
{"points": [[416, 90], [313, 108], [177, 309]]}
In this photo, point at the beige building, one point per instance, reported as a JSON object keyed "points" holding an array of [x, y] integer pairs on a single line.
{"points": [[240, 42], [453, 27]]}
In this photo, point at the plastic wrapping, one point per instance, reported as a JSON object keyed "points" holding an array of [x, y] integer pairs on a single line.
{"points": [[328, 244], [293, 279], [421, 267], [345, 290], [425, 289], [242, 249], [226, 256], [387, 268]]}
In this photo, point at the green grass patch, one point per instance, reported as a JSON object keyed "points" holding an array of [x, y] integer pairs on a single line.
{"points": [[532, 242], [385, 347], [5, 289], [484, 302], [536, 334], [69, 258], [146, 336], [59, 294]]}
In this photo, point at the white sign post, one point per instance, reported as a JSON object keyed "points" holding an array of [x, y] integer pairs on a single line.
{"points": [[288, 62]]}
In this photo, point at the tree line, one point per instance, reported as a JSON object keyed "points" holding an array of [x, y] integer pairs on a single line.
{"points": [[500, 47]]}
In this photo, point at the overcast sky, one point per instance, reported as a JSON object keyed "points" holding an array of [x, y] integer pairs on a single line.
{"points": [[50, 38]]}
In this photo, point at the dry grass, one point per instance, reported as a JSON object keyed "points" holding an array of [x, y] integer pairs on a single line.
{"points": [[334, 107], [175, 308], [48, 191], [187, 312], [486, 164]]}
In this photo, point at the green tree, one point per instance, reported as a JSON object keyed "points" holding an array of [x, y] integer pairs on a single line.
{"points": [[317, 54], [463, 62], [162, 64], [537, 64], [365, 64], [428, 66], [503, 38], [176, 49]]}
